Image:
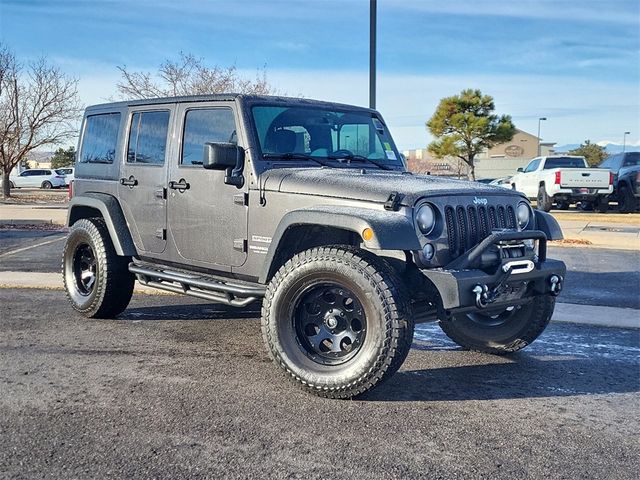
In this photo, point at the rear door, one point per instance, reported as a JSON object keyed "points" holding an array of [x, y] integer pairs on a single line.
{"points": [[207, 218], [143, 177], [36, 178]]}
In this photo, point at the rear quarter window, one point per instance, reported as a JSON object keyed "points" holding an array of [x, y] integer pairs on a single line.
{"points": [[100, 138]]}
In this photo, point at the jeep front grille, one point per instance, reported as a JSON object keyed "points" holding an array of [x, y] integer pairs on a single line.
{"points": [[466, 227]]}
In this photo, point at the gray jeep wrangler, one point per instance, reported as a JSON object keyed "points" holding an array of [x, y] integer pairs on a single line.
{"points": [[308, 207]]}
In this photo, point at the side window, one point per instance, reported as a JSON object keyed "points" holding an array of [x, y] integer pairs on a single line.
{"points": [[100, 138], [148, 137], [206, 125], [533, 165]]}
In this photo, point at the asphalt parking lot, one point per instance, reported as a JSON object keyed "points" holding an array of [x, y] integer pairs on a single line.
{"points": [[176, 388]]}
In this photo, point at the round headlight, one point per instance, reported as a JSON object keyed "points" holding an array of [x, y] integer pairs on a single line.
{"points": [[523, 213], [426, 219]]}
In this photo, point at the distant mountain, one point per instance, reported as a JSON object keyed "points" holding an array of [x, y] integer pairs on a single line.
{"points": [[610, 148]]}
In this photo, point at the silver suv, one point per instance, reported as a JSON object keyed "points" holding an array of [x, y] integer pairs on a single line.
{"points": [[307, 207], [38, 178]]}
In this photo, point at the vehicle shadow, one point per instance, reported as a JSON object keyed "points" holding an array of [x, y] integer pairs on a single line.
{"points": [[524, 377], [199, 311]]}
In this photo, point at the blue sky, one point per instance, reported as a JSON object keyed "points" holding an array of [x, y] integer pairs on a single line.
{"points": [[575, 62]]}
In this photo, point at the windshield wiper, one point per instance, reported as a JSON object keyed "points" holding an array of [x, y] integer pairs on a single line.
{"points": [[359, 158], [295, 156]]}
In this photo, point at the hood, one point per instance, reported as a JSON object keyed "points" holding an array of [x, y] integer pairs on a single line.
{"points": [[371, 185]]}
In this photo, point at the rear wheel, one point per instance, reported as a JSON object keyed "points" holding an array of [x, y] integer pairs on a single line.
{"points": [[97, 280], [544, 201], [46, 185], [502, 331], [337, 321], [626, 200], [564, 205]]}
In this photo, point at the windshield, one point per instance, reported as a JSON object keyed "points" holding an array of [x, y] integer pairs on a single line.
{"points": [[564, 162], [323, 133]]}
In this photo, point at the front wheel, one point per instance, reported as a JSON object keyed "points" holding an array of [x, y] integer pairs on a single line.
{"points": [[503, 331], [97, 280], [544, 201], [337, 321]]}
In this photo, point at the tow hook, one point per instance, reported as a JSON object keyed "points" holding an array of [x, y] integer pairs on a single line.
{"points": [[555, 282], [482, 295]]}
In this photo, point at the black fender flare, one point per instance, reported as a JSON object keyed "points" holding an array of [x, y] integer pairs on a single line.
{"points": [[549, 225], [391, 230], [112, 214]]}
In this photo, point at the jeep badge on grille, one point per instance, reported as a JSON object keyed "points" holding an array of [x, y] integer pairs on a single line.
{"points": [[480, 201]]}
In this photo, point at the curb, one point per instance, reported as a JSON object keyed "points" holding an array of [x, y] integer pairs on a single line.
{"points": [[15, 222], [564, 312]]}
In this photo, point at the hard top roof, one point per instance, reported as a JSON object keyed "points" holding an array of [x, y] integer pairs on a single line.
{"points": [[222, 97]]}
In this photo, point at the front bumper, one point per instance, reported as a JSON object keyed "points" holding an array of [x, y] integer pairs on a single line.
{"points": [[464, 287]]}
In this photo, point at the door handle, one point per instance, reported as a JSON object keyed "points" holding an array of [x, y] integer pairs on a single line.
{"points": [[182, 185], [129, 182]]}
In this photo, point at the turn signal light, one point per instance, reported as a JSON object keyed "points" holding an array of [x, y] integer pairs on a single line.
{"points": [[367, 234], [610, 178]]}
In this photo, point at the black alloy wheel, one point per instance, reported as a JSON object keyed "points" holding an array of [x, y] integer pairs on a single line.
{"points": [[84, 269], [330, 323]]}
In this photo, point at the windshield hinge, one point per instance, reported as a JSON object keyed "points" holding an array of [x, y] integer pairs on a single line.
{"points": [[393, 202]]}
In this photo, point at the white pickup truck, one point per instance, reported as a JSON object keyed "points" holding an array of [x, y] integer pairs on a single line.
{"points": [[563, 180]]}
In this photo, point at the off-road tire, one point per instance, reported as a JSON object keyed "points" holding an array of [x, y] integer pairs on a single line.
{"points": [[47, 185], [626, 200], [113, 285], [389, 322], [522, 328], [545, 202]]}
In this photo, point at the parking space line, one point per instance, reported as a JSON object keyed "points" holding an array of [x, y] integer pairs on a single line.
{"points": [[23, 249]]}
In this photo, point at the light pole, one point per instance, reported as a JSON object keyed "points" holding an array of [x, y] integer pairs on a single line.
{"points": [[539, 120], [624, 141], [372, 53]]}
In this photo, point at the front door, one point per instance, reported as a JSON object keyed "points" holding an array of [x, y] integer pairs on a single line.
{"points": [[143, 178], [207, 218]]}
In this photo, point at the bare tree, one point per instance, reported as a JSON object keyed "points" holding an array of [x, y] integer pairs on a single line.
{"points": [[38, 107], [189, 76]]}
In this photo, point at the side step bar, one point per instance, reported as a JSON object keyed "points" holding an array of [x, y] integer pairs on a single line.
{"points": [[220, 291]]}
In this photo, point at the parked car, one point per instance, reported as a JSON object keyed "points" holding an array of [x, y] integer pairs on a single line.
{"points": [[563, 180], [626, 180], [37, 177], [68, 173], [504, 182], [486, 181], [307, 207]]}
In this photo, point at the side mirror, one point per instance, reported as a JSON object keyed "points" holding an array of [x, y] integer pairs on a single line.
{"points": [[520, 169], [225, 156], [218, 156]]}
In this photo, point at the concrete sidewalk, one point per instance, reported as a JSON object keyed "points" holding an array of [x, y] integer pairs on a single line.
{"points": [[580, 229], [564, 312], [55, 214], [601, 231]]}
